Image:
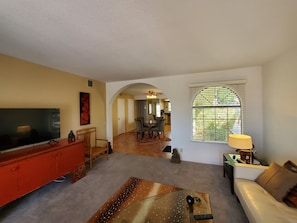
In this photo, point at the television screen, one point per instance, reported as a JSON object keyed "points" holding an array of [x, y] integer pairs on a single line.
{"points": [[28, 126]]}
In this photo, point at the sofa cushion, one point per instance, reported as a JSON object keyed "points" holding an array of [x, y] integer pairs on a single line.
{"points": [[277, 181]]}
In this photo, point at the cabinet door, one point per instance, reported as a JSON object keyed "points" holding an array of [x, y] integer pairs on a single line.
{"points": [[70, 158], [36, 172], [8, 183]]}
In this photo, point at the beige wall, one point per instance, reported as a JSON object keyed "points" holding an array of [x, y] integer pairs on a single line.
{"points": [[177, 89], [280, 107], [24, 85]]}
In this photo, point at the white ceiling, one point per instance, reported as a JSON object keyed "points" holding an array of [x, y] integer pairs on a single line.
{"points": [[113, 40]]}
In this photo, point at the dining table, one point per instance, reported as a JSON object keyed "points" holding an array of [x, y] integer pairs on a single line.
{"points": [[151, 124]]}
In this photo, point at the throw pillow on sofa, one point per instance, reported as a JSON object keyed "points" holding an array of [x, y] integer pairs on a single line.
{"points": [[291, 198], [289, 165], [277, 181]]}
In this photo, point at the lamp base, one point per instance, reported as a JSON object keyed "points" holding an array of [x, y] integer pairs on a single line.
{"points": [[246, 156]]}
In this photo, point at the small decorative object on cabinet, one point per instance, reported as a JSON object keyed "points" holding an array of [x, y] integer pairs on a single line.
{"points": [[71, 136]]}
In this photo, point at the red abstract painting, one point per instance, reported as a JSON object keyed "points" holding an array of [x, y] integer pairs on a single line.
{"points": [[84, 108]]}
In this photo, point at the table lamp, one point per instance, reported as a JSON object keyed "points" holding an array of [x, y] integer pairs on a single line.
{"points": [[243, 143]]}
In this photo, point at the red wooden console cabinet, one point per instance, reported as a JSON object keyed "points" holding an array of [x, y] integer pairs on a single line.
{"points": [[25, 170]]}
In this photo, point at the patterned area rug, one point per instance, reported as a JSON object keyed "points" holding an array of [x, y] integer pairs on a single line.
{"points": [[140, 200]]}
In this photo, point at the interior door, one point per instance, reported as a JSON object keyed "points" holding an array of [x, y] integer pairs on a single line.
{"points": [[121, 116]]}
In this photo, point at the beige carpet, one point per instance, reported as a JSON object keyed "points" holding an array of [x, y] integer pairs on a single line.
{"points": [[78, 202]]}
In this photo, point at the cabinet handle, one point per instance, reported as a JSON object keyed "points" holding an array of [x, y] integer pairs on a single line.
{"points": [[57, 154], [14, 168]]}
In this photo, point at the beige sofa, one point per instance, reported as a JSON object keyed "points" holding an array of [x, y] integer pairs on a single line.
{"points": [[258, 204]]}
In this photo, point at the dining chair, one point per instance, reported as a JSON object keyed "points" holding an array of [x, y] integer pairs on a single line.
{"points": [[159, 129], [140, 128]]}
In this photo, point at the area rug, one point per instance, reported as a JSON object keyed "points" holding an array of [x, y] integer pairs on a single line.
{"points": [[139, 200], [148, 140], [167, 149]]}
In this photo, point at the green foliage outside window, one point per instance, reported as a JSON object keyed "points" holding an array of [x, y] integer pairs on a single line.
{"points": [[216, 114]]}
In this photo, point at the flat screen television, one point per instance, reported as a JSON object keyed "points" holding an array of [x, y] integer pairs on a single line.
{"points": [[21, 127]]}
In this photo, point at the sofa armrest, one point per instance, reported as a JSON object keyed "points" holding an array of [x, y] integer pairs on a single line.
{"points": [[248, 171]]}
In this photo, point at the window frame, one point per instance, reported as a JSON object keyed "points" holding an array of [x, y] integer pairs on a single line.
{"points": [[237, 89]]}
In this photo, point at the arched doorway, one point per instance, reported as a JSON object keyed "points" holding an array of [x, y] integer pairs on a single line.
{"points": [[140, 100]]}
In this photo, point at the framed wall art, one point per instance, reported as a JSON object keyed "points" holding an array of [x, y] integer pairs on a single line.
{"points": [[84, 99]]}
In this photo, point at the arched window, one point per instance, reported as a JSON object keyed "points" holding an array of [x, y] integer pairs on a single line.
{"points": [[216, 113]]}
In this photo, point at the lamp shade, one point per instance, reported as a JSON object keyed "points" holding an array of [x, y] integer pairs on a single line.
{"points": [[240, 141]]}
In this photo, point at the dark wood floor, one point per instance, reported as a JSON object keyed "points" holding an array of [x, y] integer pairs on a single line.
{"points": [[129, 143]]}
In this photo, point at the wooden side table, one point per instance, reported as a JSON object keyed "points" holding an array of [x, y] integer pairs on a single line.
{"points": [[229, 160]]}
